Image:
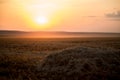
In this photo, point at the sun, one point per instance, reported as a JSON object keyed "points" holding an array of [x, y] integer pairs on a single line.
{"points": [[41, 20]]}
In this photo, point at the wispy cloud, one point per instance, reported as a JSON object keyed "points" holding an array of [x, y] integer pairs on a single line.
{"points": [[113, 14], [4, 1], [91, 16]]}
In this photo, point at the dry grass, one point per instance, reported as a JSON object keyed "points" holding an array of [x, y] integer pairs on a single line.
{"points": [[60, 59]]}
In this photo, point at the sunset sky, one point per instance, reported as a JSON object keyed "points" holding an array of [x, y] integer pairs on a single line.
{"points": [[60, 15]]}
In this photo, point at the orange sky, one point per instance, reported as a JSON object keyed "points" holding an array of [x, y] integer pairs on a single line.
{"points": [[60, 15]]}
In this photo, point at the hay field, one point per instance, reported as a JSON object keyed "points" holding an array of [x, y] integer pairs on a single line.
{"points": [[60, 59]]}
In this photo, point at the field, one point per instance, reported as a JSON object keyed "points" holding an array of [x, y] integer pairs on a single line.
{"points": [[60, 59]]}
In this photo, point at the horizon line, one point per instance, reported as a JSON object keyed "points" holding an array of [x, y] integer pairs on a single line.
{"points": [[60, 31]]}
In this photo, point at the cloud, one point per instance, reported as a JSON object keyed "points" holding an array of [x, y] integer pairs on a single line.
{"points": [[113, 14], [1, 1], [90, 16], [114, 19], [4, 1]]}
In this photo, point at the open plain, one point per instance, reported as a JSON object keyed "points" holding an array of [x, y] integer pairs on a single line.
{"points": [[60, 58]]}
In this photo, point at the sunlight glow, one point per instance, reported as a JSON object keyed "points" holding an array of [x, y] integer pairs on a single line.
{"points": [[41, 20], [60, 15]]}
